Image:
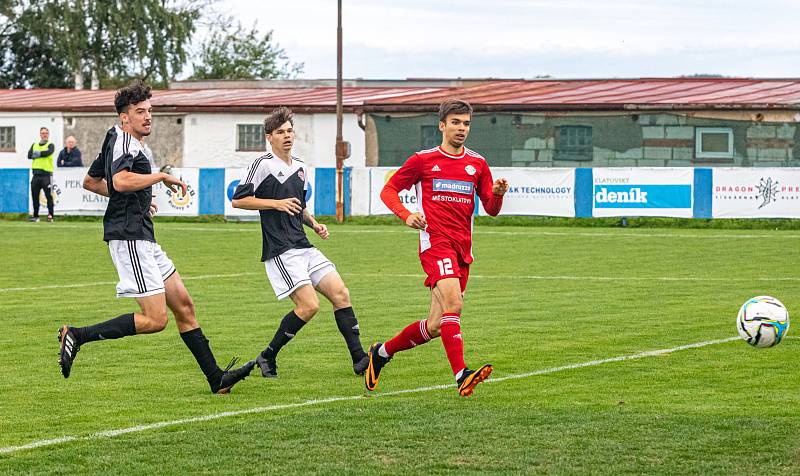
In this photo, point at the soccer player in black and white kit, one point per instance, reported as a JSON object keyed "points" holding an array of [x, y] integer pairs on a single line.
{"points": [[123, 173], [275, 185]]}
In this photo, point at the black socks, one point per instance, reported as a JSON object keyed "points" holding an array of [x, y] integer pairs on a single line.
{"points": [[289, 327], [348, 325], [120, 326], [198, 344]]}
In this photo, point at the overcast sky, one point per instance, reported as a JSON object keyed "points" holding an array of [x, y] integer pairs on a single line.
{"points": [[527, 38]]}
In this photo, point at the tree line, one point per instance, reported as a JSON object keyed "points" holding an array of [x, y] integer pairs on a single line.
{"points": [[72, 43]]}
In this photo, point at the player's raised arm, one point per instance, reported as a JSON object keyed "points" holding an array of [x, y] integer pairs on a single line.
{"points": [[403, 179], [127, 181], [491, 192]]}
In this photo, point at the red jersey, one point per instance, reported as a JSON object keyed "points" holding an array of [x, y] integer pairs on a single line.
{"points": [[446, 187]]}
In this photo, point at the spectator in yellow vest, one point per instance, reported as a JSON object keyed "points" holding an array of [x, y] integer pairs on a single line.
{"points": [[41, 153]]}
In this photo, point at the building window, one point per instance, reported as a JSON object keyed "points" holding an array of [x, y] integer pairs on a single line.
{"points": [[250, 138], [8, 142], [573, 143], [431, 137], [713, 143]]}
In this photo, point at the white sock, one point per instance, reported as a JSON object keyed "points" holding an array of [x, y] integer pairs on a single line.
{"points": [[382, 352], [459, 374]]}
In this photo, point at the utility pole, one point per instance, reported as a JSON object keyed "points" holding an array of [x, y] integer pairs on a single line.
{"points": [[342, 147]]}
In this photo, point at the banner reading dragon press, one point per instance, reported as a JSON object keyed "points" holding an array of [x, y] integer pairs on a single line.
{"points": [[657, 191], [756, 193]]}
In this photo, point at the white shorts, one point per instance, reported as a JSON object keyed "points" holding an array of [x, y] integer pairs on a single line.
{"points": [[142, 267], [296, 267]]}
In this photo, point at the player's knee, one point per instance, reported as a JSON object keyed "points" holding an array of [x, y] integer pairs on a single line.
{"points": [[434, 327], [186, 309], [307, 310], [185, 314], [158, 320], [342, 298], [453, 304]]}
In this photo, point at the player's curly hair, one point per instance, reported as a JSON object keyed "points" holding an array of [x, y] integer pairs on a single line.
{"points": [[277, 118], [133, 93], [453, 106]]}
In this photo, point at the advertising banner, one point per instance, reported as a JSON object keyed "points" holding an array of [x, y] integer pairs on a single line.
{"points": [[69, 195], [661, 191], [234, 175], [179, 204], [537, 191], [232, 178], [378, 176], [756, 193]]}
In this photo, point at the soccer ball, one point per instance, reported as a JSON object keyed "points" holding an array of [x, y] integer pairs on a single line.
{"points": [[763, 321]]}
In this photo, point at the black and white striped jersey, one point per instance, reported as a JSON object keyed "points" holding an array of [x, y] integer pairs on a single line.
{"points": [[127, 216], [271, 178]]}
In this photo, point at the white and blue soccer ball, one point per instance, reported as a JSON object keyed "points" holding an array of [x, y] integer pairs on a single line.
{"points": [[763, 321]]}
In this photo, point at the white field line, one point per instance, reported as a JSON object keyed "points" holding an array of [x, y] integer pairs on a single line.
{"points": [[323, 401], [581, 278], [420, 276], [620, 234], [102, 283]]}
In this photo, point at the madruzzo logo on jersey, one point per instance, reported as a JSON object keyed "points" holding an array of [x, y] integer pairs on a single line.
{"points": [[455, 186], [643, 196]]}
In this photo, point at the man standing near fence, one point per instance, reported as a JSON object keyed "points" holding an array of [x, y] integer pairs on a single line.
{"points": [[41, 153]]}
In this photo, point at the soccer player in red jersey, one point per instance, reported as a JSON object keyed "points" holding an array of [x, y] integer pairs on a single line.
{"points": [[446, 180]]}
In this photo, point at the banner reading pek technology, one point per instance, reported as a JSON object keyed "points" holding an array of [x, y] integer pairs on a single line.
{"points": [[756, 193], [661, 191], [69, 195], [537, 191]]}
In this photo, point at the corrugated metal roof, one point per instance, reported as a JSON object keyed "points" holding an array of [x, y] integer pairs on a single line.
{"points": [[211, 100], [680, 93]]}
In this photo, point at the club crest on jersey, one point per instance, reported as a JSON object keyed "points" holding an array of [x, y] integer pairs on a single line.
{"points": [[470, 169], [301, 175], [436, 168], [455, 186]]}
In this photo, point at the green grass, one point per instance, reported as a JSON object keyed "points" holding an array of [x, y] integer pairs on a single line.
{"points": [[539, 298]]}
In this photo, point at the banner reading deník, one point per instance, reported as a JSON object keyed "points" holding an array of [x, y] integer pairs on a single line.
{"points": [[642, 191]]}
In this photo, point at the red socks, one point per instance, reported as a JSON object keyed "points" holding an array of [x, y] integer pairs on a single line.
{"points": [[453, 344], [412, 336], [417, 333]]}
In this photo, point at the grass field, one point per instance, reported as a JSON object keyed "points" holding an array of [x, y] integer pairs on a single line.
{"points": [[554, 309]]}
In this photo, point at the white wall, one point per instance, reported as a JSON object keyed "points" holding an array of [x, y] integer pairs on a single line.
{"points": [[27, 132], [210, 139], [325, 140]]}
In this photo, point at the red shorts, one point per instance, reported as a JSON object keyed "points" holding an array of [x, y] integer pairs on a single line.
{"points": [[440, 262]]}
